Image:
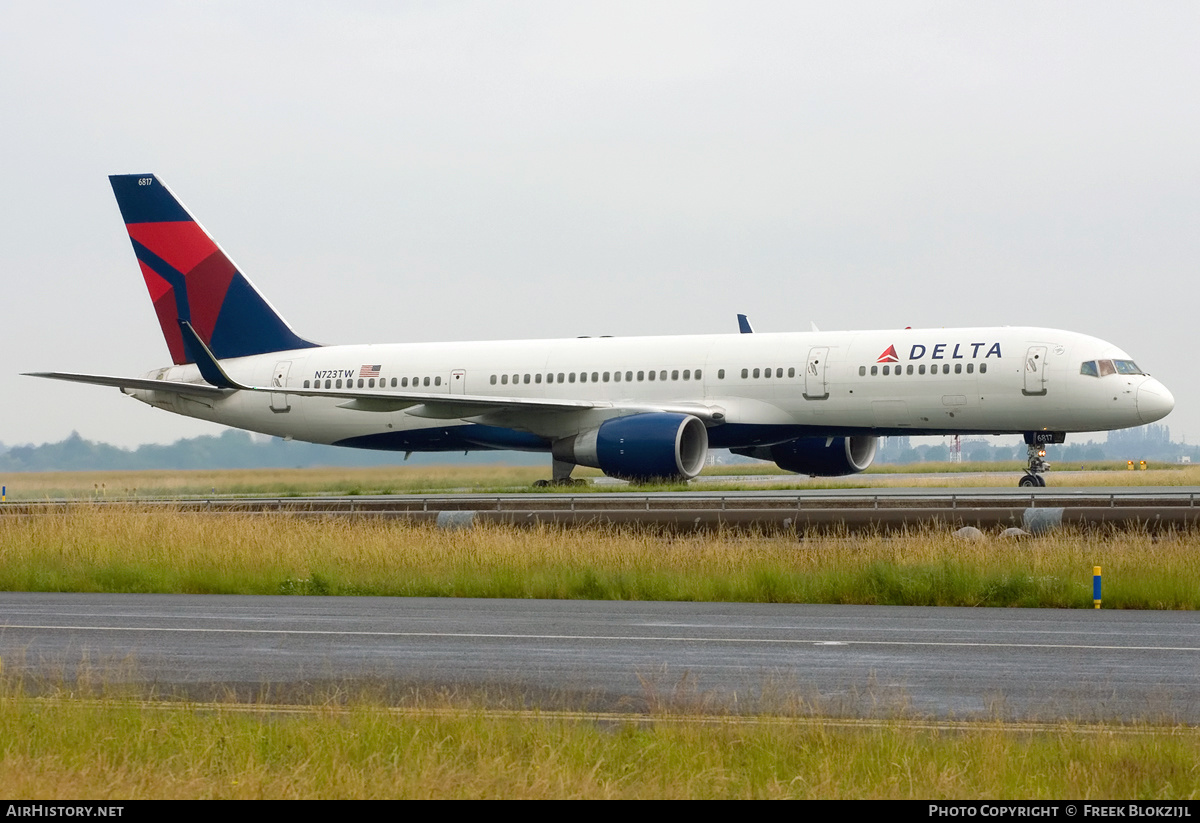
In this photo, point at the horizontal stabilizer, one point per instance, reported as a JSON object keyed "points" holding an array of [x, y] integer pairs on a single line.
{"points": [[139, 383]]}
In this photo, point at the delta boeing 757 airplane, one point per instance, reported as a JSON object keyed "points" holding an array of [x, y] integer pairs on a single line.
{"points": [[636, 407]]}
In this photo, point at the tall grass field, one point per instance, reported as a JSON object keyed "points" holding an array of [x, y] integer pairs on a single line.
{"points": [[132, 549]]}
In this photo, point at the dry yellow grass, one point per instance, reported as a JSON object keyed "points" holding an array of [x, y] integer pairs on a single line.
{"points": [[127, 548]]}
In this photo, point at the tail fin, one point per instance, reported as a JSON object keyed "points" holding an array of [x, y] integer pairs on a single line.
{"points": [[190, 278]]}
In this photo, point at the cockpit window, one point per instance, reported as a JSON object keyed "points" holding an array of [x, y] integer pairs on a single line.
{"points": [[1103, 368]]}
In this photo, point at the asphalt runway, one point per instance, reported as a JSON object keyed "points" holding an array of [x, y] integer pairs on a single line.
{"points": [[1028, 664]]}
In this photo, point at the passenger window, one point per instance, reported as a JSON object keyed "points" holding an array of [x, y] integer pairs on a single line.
{"points": [[720, 374], [493, 379], [339, 382], [595, 377], [560, 377], [404, 382], [629, 376], [583, 377], [887, 370], [537, 378], [958, 368], [791, 371], [616, 377], [426, 381], [393, 382], [697, 375], [306, 384], [756, 372], [606, 374], [327, 384], [862, 371], [640, 375], [371, 383], [504, 379], [527, 379], [675, 374], [745, 373], [945, 368], [970, 368], [874, 370], [779, 372], [687, 374], [921, 369], [437, 381], [652, 375], [982, 368]]}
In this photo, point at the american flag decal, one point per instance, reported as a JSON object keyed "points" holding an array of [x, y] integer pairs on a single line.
{"points": [[369, 371]]}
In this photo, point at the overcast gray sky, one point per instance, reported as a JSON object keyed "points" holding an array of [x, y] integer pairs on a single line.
{"points": [[394, 172]]}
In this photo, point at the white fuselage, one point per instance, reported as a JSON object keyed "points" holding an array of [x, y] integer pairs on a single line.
{"points": [[757, 388]]}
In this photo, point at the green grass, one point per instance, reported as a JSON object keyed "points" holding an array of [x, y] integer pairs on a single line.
{"points": [[64, 747], [499, 479], [126, 549]]}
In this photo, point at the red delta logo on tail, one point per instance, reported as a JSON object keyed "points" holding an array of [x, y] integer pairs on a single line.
{"points": [[889, 356], [190, 278], [193, 283]]}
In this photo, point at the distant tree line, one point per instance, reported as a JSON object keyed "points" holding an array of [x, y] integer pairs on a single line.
{"points": [[229, 450], [240, 450], [1151, 442]]}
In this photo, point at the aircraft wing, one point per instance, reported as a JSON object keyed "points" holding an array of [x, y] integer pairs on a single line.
{"points": [[142, 383]]}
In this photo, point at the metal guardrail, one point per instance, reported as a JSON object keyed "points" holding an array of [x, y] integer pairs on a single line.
{"points": [[1154, 509]]}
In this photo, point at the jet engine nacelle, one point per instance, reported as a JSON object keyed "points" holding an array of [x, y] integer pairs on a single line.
{"points": [[640, 447], [819, 456]]}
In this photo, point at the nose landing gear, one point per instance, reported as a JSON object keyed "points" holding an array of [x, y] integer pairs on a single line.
{"points": [[1037, 465], [1035, 443]]}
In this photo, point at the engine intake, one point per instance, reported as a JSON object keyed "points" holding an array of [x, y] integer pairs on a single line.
{"points": [[651, 446]]}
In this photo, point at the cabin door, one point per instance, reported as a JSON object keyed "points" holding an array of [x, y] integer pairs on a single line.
{"points": [[458, 382], [279, 378], [1035, 371], [815, 387]]}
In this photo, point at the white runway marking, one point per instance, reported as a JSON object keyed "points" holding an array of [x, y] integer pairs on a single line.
{"points": [[615, 638]]}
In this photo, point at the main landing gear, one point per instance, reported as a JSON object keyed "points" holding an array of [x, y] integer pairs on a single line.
{"points": [[561, 476]]}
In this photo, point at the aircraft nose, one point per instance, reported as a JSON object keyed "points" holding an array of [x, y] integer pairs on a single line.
{"points": [[1154, 402]]}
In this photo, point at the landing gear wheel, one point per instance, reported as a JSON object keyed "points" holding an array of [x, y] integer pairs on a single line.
{"points": [[1034, 468]]}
